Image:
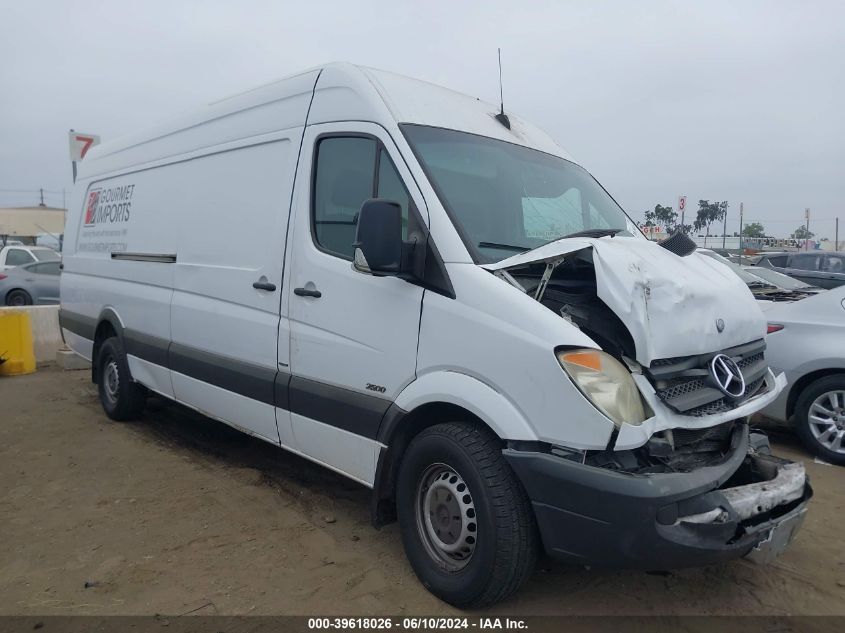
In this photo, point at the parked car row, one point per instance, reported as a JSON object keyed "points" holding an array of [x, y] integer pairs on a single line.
{"points": [[768, 289], [823, 269], [805, 341]]}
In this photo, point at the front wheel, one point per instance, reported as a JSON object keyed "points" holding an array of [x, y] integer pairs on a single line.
{"points": [[467, 525], [122, 399], [820, 418]]}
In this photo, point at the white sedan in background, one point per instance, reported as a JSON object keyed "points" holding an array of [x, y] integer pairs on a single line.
{"points": [[806, 340]]}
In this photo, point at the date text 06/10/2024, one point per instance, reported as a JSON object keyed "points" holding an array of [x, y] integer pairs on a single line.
{"points": [[416, 623]]}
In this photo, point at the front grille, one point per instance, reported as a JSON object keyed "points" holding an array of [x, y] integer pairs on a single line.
{"points": [[682, 388], [723, 404], [684, 384]]}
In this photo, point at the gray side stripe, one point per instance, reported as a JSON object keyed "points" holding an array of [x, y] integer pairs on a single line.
{"points": [[146, 347], [79, 324], [242, 378], [349, 410]]}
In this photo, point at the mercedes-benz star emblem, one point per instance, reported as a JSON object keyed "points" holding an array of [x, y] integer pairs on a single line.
{"points": [[720, 325], [727, 375]]}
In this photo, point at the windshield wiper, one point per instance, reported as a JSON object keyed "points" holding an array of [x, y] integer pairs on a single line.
{"points": [[525, 249], [592, 233], [508, 247]]}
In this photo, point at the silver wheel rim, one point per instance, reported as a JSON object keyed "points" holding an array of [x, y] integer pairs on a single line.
{"points": [[446, 518], [111, 382], [827, 420]]}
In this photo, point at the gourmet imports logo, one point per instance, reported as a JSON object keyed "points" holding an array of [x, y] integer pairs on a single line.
{"points": [[109, 206]]}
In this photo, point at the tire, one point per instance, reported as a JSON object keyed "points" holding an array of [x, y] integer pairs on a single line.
{"points": [[122, 399], [496, 536], [18, 297], [819, 430]]}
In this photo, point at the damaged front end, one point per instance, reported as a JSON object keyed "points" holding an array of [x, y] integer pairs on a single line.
{"points": [[681, 481], [666, 318], [629, 509]]}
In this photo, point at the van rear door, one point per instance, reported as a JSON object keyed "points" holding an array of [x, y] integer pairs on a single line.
{"points": [[353, 336]]}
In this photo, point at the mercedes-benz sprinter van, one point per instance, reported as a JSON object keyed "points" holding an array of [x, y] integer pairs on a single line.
{"points": [[428, 295]]}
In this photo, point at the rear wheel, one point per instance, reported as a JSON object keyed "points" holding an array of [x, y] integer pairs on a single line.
{"points": [[121, 398], [820, 418], [18, 298], [467, 525]]}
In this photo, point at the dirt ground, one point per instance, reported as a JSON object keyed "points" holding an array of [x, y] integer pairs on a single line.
{"points": [[177, 514]]}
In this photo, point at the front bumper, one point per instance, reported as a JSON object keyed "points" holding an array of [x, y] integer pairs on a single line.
{"points": [[597, 516]]}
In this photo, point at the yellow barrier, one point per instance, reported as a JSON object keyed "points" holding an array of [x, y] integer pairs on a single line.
{"points": [[16, 348]]}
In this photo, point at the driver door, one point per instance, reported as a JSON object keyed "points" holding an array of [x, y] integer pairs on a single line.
{"points": [[353, 335]]}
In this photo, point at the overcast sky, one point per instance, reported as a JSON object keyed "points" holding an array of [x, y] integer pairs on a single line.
{"points": [[738, 101]]}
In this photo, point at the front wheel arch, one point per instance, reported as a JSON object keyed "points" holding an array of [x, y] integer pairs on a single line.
{"points": [[398, 429]]}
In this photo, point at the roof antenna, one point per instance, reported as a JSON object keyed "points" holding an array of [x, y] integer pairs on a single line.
{"points": [[502, 117]]}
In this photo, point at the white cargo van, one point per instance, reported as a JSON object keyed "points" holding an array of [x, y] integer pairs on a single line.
{"points": [[429, 296]]}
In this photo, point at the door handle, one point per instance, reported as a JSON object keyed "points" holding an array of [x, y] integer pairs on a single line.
{"points": [[263, 284], [307, 292]]}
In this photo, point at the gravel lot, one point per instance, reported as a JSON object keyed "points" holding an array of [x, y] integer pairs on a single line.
{"points": [[177, 513]]}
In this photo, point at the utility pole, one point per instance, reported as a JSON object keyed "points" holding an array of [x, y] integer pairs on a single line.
{"points": [[41, 204], [837, 235], [807, 235], [724, 226], [740, 234]]}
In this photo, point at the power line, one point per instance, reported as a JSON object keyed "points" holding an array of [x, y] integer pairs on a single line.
{"points": [[58, 191]]}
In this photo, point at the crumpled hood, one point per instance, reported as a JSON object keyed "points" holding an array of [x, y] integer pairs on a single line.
{"points": [[671, 305]]}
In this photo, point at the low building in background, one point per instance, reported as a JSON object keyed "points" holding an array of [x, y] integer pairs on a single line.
{"points": [[31, 225]]}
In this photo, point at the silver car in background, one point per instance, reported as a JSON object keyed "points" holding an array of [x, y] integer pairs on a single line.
{"points": [[784, 282], [806, 341], [30, 284], [767, 293], [822, 269]]}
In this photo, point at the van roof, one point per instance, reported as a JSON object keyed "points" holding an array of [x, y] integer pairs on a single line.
{"points": [[344, 92]]}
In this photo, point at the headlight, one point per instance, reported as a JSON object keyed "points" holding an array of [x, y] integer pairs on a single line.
{"points": [[606, 382]]}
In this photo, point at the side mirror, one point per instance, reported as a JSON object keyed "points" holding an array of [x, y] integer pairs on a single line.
{"points": [[378, 238]]}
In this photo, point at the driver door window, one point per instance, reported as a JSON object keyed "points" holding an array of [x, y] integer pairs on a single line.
{"points": [[343, 180], [350, 170]]}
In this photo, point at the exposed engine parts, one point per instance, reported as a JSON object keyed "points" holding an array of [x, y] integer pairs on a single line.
{"points": [[568, 287]]}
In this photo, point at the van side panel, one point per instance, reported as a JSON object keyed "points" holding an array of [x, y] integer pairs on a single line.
{"points": [[231, 212], [186, 191], [121, 261]]}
